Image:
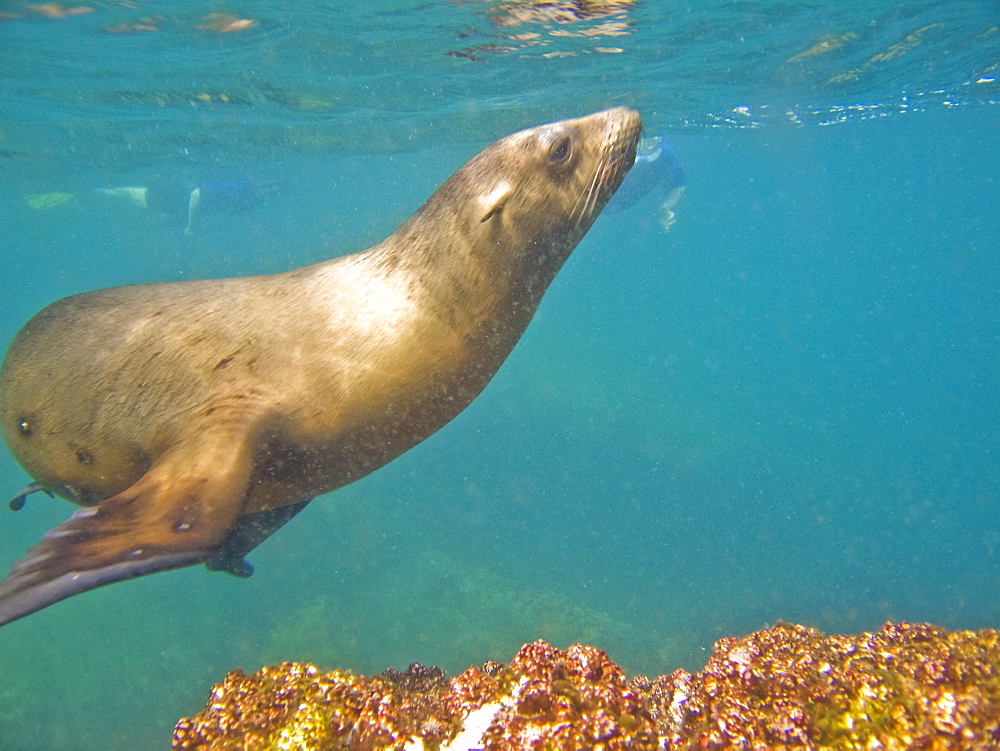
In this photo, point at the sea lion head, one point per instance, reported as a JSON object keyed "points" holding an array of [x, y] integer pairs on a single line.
{"points": [[546, 178], [517, 209]]}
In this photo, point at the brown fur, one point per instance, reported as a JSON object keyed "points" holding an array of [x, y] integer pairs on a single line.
{"points": [[173, 409]]}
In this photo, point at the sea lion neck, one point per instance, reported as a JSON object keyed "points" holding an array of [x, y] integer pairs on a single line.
{"points": [[497, 232]]}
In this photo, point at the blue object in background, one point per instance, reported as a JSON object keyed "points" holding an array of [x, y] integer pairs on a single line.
{"points": [[223, 196], [657, 170], [185, 200]]}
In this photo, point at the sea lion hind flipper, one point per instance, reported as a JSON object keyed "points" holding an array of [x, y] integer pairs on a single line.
{"points": [[249, 531], [163, 521]]}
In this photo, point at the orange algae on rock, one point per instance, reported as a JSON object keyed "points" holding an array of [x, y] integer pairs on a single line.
{"points": [[905, 686]]}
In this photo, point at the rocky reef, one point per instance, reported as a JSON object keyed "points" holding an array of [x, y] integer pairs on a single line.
{"points": [[907, 686]]}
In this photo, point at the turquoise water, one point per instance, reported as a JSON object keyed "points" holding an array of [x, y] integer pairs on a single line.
{"points": [[785, 407]]}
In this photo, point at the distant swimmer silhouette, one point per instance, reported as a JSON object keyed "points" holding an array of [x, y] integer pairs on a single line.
{"points": [[657, 168], [185, 201]]}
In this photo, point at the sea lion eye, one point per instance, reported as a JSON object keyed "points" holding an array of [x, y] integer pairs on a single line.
{"points": [[561, 151]]}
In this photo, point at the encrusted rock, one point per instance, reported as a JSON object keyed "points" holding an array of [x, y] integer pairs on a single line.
{"points": [[907, 686], [903, 687]]}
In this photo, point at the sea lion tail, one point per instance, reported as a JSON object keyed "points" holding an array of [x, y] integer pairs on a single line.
{"points": [[249, 531]]}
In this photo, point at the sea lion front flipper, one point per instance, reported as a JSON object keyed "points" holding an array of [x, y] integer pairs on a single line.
{"points": [[249, 531], [177, 514]]}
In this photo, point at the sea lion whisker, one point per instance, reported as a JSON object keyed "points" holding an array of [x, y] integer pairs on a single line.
{"points": [[602, 173], [595, 183], [584, 204]]}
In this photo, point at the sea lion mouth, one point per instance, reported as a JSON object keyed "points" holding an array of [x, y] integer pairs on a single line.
{"points": [[623, 126]]}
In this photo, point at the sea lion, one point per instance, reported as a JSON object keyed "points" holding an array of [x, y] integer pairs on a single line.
{"points": [[191, 419]]}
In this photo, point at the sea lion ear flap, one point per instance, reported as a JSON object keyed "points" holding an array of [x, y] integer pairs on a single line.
{"points": [[494, 201]]}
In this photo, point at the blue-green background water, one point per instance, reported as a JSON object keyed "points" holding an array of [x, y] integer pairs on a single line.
{"points": [[786, 407]]}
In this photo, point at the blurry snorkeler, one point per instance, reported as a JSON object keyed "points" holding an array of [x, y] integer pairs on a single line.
{"points": [[657, 169], [227, 196]]}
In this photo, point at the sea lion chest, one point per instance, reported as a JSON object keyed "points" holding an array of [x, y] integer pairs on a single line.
{"points": [[329, 372]]}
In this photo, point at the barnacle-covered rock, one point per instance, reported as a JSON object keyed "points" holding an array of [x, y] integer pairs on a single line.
{"points": [[577, 698], [545, 698], [294, 706], [905, 686]]}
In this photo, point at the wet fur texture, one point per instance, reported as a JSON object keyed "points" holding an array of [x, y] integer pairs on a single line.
{"points": [[170, 411]]}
